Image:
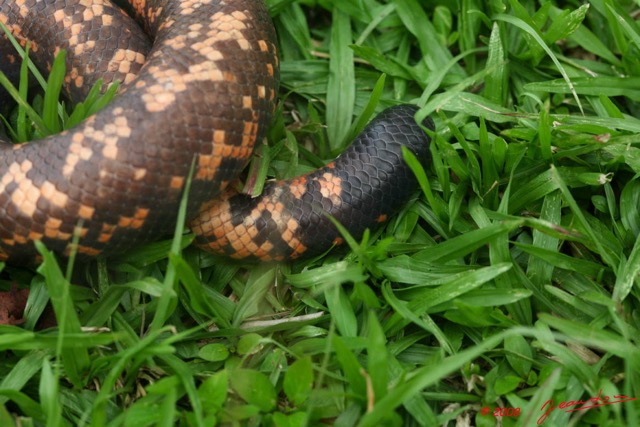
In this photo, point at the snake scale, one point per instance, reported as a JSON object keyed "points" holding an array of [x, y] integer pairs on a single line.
{"points": [[200, 81]]}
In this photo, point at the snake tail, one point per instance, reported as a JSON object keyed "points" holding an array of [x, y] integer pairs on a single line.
{"points": [[362, 188]]}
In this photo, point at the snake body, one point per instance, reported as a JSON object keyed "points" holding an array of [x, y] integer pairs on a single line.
{"points": [[200, 81]]}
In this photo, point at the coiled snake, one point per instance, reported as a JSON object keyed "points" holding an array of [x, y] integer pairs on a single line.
{"points": [[205, 89]]}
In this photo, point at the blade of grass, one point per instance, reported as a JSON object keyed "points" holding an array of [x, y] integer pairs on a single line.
{"points": [[166, 303], [75, 361], [425, 376], [54, 84], [533, 33], [341, 84]]}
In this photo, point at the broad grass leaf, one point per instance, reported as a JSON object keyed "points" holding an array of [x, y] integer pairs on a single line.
{"points": [[298, 381], [213, 392], [254, 387], [214, 352], [519, 354], [342, 311]]}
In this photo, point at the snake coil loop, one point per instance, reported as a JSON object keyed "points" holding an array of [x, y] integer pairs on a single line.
{"points": [[200, 82]]}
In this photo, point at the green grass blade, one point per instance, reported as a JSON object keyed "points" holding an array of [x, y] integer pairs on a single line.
{"points": [[51, 96], [341, 84], [527, 28], [424, 377], [76, 361]]}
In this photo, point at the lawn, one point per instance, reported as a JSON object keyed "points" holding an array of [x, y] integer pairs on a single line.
{"points": [[506, 293]]}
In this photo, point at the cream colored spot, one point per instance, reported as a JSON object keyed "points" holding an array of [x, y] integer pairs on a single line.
{"points": [[79, 49], [110, 152], [58, 15], [26, 166], [239, 15], [25, 197], [97, 7], [179, 42], [159, 102], [189, 6], [218, 136], [122, 127], [139, 174], [161, 95], [70, 164], [24, 11], [298, 187], [167, 24], [125, 61], [331, 187], [51, 194], [76, 152], [98, 135], [75, 30], [204, 72]]}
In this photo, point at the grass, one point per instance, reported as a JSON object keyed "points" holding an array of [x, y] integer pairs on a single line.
{"points": [[510, 282]]}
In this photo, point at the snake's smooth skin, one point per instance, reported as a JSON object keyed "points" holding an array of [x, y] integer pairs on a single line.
{"points": [[199, 84]]}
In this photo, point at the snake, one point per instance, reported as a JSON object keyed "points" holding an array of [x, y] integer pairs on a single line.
{"points": [[199, 87]]}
